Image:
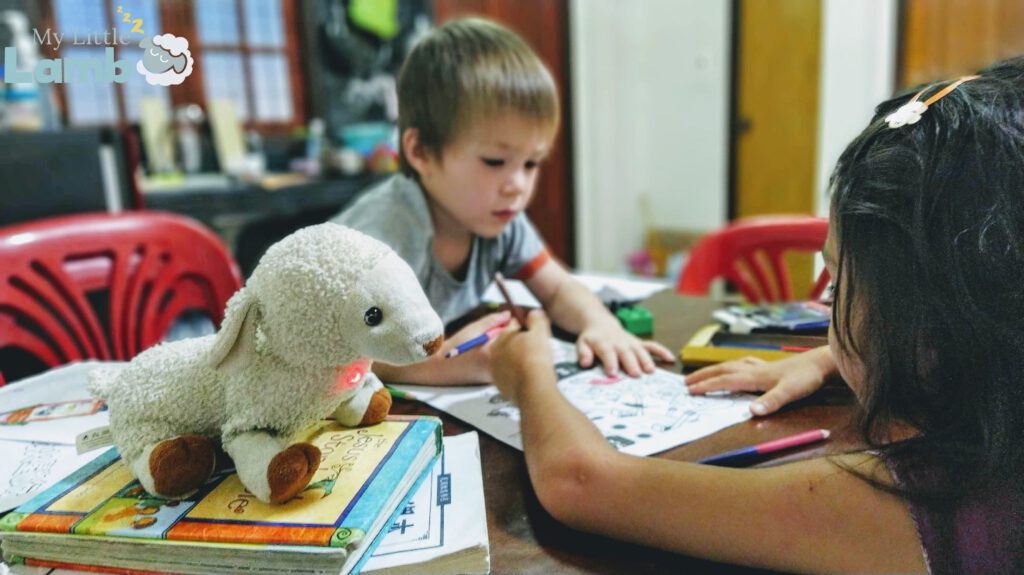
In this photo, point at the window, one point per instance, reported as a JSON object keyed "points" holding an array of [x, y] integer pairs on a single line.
{"points": [[83, 24], [245, 57], [246, 51]]}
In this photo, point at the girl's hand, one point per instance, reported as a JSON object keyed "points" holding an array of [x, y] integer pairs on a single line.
{"points": [[616, 347], [520, 358], [783, 381], [475, 362]]}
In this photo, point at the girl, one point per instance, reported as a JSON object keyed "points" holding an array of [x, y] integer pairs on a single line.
{"points": [[926, 249]]}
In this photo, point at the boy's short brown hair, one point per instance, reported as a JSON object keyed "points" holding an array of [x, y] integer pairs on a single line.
{"points": [[468, 69]]}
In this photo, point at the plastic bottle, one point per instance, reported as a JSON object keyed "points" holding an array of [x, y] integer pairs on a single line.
{"points": [[22, 106], [188, 119], [314, 146], [3, 100], [256, 157]]}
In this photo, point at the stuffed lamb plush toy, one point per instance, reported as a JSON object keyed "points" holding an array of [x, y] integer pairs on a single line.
{"points": [[295, 347]]}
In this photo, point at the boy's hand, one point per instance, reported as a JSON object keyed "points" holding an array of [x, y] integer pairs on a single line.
{"points": [[783, 381], [475, 362], [616, 347], [520, 358]]}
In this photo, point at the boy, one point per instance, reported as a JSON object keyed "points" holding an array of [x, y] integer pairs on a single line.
{"points": [[478, 112]]}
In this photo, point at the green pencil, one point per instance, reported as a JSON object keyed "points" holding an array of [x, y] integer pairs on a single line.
{"points": [[398, 393]]}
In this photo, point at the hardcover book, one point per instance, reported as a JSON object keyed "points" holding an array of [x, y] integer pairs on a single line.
{"points": [[99, 516], [713, 344]]}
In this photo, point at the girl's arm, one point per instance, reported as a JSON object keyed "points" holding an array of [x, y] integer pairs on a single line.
{"points": [[576, 309], [809, 516]]}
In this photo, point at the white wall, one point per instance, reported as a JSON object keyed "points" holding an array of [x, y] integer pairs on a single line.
{"points": [[858, 69], [650, 82], [650, 87]]}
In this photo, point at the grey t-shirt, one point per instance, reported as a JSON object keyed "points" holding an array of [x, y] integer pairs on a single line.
{"points": [[396, 212]]}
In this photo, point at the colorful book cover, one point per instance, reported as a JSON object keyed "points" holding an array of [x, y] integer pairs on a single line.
{"points": [[711, 344], [359, 471]]}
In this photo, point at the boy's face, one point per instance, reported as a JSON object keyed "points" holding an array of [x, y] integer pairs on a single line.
{"points": [[486, 176]]}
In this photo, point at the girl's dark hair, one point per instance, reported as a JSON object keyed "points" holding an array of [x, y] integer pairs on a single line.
{"points": [[929, 223]]}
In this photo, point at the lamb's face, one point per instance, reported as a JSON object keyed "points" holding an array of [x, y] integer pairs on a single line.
{"points": [[330, 295], [387, 317]]}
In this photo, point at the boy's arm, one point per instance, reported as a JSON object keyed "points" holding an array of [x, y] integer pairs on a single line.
{"points": [[575, 308], [809, 516], [568, 302], [434, 371], [471, 367]]}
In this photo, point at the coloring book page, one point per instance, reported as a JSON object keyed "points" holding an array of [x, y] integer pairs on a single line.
{"points": [[61, 384], [639, 416]]}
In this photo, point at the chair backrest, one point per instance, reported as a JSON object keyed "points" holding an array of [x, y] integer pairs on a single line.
{"points": [[749, 253], [106, 286]]}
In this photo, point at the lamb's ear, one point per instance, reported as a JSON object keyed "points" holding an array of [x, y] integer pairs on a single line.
{"points": [[234, 347]]}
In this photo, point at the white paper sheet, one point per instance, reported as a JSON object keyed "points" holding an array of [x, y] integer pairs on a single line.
{"points": [[64, 383], [28, 468], [639, 416], [630, 289], [444, 520]]}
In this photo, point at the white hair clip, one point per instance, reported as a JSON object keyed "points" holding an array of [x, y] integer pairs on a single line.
{"points": [[910, 113]]}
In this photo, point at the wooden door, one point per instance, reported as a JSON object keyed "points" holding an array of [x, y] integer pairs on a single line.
{"points": [[544, 24], [776, 114], [945, 39]]}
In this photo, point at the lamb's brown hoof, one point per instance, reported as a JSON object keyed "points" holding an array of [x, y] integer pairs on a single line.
{"points": [[291, 470], [380, 404], [180, 465]]}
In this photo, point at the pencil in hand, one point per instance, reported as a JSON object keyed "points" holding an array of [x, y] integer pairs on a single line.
{"points": [[476, 341], [499, 280]]}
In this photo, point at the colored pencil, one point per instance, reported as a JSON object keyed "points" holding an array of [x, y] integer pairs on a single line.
{"points": [[475, 342], [766, 346], [499, 280], [744, 455], [399, 394]]}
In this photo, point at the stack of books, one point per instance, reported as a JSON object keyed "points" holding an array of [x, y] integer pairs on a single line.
{"points": [[810, 317], [100, 518], [770, 332]]}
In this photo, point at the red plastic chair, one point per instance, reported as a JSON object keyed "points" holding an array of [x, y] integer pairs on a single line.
{"points": [[107, 286], [740, 251]]}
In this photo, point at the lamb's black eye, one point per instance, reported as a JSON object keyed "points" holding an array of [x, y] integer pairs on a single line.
{"points": [[373, 316]]}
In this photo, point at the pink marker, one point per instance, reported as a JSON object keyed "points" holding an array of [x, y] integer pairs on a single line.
{"points": [[744, 455]]}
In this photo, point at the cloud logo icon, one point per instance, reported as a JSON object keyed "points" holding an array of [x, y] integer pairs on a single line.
{"points": [[166, 60]]}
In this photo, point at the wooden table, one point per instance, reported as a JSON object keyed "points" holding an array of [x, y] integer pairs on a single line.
{"points": [[525, 539]]}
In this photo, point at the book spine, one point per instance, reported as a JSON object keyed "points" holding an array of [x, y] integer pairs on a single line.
{"points": [[379, 488], [392, 519]]}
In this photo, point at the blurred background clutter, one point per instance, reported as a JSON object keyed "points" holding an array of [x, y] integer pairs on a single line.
{"points": [[680, 115]]}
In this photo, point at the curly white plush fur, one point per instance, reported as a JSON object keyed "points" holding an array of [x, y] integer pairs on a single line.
{"points": [[273, 369]]}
